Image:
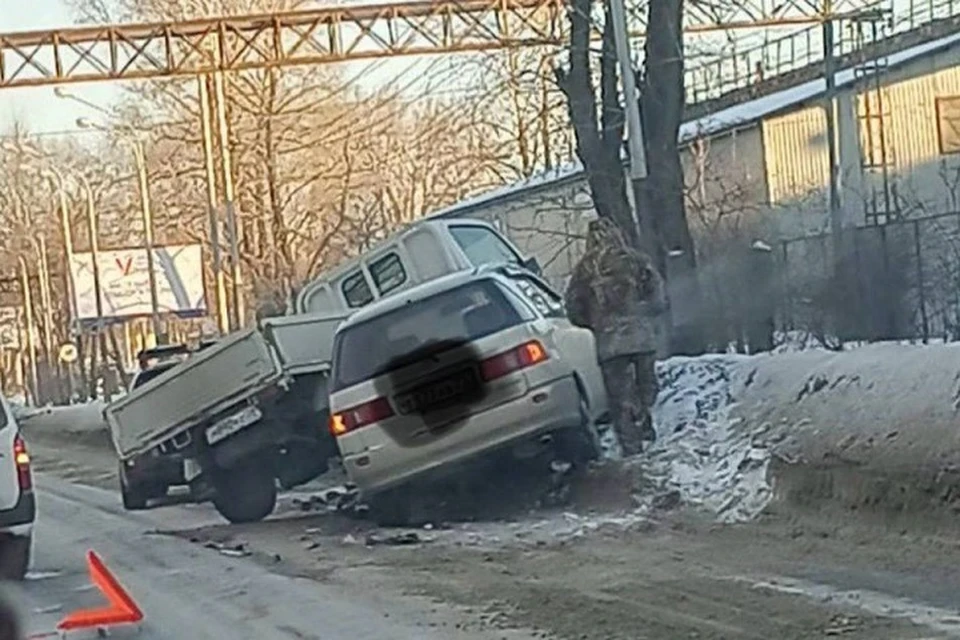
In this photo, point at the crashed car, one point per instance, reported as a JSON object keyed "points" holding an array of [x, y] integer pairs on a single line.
{"points": [[427, 380]]}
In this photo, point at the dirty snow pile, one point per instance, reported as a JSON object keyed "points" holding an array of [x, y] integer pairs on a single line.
{"points": [[699, 452]]}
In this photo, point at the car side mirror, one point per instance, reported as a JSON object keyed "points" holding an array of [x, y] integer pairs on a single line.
{"points": [[532, 264]]}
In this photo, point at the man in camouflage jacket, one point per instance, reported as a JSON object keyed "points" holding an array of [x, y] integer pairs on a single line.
{"points": [[616, 291]]}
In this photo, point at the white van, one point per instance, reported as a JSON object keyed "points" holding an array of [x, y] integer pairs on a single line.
{"points": [[423, 251]]}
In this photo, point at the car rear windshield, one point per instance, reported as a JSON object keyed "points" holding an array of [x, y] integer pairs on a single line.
{"points": [[465, 313]]}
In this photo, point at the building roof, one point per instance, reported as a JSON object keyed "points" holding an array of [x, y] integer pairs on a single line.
{"points": [[736, 116]]}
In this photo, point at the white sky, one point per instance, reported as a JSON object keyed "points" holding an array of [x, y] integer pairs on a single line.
{"points": [[37, 106]]}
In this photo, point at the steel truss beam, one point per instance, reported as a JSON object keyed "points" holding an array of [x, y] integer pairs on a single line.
{"points": [[169, 49]]}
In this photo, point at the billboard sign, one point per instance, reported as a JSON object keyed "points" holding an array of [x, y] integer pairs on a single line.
{"points": [[125, 282]]}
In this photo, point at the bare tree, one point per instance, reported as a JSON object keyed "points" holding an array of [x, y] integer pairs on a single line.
{"points": [[600, 143]]}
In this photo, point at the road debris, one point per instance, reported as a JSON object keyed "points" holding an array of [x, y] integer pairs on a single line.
{"points": [[232, 550], [374, 539]]}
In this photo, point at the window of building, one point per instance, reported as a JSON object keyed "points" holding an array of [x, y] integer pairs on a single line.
{"points": [[948, 124]]}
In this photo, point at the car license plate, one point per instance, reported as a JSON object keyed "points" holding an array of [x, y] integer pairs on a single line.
{"points": [[231, 424], [439, 394]]}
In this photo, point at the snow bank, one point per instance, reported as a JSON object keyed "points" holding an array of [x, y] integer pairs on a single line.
{"points": [[76, 419], [700, 451], [889, 411], [884, 406]]}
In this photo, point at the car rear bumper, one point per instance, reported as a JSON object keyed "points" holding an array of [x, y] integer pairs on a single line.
{"points": [[22, 513], [387, 464]]}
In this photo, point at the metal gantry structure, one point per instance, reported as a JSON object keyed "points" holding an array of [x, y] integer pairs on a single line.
{"points": [[327, 35]]}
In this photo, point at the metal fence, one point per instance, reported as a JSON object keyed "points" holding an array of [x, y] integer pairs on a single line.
{"points": [[803, 49], [896, 281]]}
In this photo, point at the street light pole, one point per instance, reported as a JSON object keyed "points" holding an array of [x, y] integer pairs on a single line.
{"points": [[147, 214], [206, 116], [31, 344], [46, 300], [228, 192], [67, 229]]}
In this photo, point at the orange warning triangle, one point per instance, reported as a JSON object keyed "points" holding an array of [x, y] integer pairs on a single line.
{"points": [[121, 610]]}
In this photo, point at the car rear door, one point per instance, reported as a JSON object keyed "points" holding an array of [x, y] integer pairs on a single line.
{"points": [[9, 482], [443, 383]]}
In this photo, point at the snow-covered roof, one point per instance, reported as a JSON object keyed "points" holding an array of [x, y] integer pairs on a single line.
{"points": [[738, 115]]}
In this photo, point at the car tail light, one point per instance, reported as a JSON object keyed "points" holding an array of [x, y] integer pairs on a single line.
{"points": [[351, 419], [526, 355], [22, 459]]}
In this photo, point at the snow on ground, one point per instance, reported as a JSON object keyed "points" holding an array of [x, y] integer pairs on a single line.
{"points": [[75, 418], [700, 452]]}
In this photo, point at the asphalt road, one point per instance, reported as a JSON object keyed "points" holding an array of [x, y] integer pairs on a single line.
{"points": [[187, 591]]}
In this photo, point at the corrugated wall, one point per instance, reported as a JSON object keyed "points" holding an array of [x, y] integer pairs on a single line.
{"points": [[795, 153], [797, 163], [912, 137]]}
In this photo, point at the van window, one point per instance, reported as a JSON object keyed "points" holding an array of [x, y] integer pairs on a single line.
{"points": [[3, 414], [465, 313], [482, 245], [356, 290], [426, 253], [388, 273]]}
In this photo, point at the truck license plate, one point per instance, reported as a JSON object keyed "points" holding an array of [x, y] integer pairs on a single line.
{"points": [[231, 424]]}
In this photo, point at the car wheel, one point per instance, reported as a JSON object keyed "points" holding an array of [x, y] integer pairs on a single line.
{"points": [[15, 557], [133, 499], [245, 493], [581, 444]]}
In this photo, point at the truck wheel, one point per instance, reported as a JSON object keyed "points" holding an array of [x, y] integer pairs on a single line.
{"points": [[133, 499], [245, 493], [15, 557]]}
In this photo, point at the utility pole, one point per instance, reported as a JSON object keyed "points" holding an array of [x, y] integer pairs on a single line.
{"points": [[206, 122], [228, 192], [830, 110], [635, 140]]}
